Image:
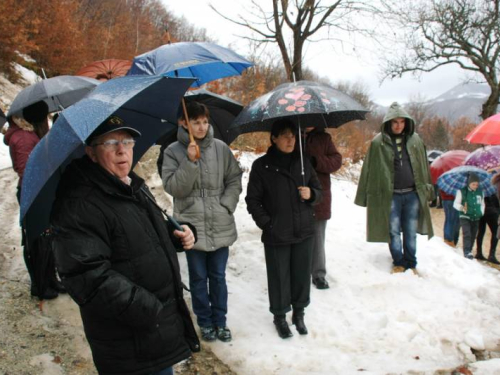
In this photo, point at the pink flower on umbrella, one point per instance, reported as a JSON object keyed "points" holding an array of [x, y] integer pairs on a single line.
{"points": [[301, 109], [305, 97], [300, 103], [290, 108], [282, 101], [326, 101]]}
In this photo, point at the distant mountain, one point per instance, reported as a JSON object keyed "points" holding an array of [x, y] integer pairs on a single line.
{"points": [[462, 100]]}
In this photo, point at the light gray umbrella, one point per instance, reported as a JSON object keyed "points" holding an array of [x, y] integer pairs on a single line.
{"points": [[58, 92]]}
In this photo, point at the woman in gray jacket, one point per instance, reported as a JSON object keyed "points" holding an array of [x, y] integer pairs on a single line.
{"points": [[206, 191]]}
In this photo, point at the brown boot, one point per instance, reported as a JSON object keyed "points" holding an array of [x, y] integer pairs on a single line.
{"points": [[398, 269], [450, 243]]}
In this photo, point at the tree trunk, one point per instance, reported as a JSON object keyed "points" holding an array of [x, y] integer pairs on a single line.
{"points": [[490, 106]]}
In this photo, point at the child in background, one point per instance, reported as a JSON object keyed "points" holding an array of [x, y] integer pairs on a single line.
{"points": [[469, 201]]}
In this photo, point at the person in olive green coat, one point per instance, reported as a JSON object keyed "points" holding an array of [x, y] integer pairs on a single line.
{"points": [[395, 186]]}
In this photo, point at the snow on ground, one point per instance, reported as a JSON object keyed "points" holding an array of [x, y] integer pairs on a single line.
{"points": [[369, 320]]}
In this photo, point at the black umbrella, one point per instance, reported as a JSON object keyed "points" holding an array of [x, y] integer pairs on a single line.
{"points": [[223, 111], [304, 102]]}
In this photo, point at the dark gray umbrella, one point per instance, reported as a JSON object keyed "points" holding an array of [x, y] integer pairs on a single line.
{"points": [[58, 92]]}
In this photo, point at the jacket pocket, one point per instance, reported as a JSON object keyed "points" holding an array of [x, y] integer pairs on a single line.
{"points": [[162, 338]]}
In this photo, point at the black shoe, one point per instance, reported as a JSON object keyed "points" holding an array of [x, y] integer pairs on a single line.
{"points": [[223, 334], [321, 283], [479, 255], [298, 321], [282, 327], [493, 259], [208, 333]]}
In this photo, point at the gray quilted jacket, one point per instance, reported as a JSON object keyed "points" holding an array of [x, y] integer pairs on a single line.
{"points": [[205, 192]]}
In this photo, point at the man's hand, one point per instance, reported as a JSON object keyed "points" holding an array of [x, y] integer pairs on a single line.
{"points": [[186, 237], [305, 193]]}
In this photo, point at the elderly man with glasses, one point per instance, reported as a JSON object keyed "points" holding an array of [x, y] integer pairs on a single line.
{"points": [[116, 255]]}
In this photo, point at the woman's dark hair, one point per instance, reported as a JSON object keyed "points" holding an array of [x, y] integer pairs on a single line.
{"points": [[195, 110], [281, 126]]}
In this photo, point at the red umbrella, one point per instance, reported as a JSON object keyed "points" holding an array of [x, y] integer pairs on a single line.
{"points": [[104, 70], [447, 161], [487, 132]]}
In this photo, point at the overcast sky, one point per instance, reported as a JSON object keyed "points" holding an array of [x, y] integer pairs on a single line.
{"points": [[326, 58]]}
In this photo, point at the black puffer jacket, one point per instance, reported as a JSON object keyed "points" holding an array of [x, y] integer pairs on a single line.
{"points": [[116, 257], [273, 198]]}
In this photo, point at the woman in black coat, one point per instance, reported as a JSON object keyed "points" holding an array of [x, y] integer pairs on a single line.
{"points": [[281, 201]]}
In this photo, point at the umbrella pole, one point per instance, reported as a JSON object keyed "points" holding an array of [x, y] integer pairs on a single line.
{"points": [[301, 155], [190, 130]]}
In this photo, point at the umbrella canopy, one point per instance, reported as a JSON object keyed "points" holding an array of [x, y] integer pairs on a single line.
{"points": [[304, 102], [433, 155], [487, 132], [204, 61], [457, 177], [487, 158], [58, 92], [149, 103], [104, 70], [447, 161]]}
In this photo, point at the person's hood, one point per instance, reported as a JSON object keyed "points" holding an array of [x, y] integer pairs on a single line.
{"points": [[183, 137], [16, 124], [397, 111]]}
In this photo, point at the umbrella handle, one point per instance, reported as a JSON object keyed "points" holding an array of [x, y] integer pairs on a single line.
{"points": [[190, 129]]}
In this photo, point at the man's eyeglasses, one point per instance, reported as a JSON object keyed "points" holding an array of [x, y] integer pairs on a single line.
{"points": [[112, 144]]}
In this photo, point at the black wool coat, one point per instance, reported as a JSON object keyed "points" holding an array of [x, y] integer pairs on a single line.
{"points": [[274, 202], [115, 255]]}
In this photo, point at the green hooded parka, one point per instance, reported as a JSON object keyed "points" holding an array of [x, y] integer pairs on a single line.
{"points": [[376, 183]]}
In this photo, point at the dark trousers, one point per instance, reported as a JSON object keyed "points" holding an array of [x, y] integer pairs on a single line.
{"points": [[207, 281], [492, 222], [26, 254], [289, 275], [469, 232]]}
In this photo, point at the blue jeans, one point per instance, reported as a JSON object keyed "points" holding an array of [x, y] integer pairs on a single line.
{"points": [[166, 371], [207, 281], [451, 222], [404, 217]]}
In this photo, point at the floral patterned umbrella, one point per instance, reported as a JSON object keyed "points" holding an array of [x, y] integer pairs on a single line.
{"points": [[304, 102], [486, 158]]}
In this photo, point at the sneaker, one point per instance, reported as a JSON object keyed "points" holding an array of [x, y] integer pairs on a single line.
{"points": [[321, 283], [223, 334], [208, 333], [398, 269], [469, 256]]}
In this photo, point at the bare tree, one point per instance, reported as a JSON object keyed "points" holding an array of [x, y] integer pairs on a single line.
{"points": [[291, 23], [441, 32], [418, 108]]}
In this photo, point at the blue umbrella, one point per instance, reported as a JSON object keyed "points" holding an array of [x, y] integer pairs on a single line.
{"points": [[457, 177], [204, 61], [150, 103]]}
